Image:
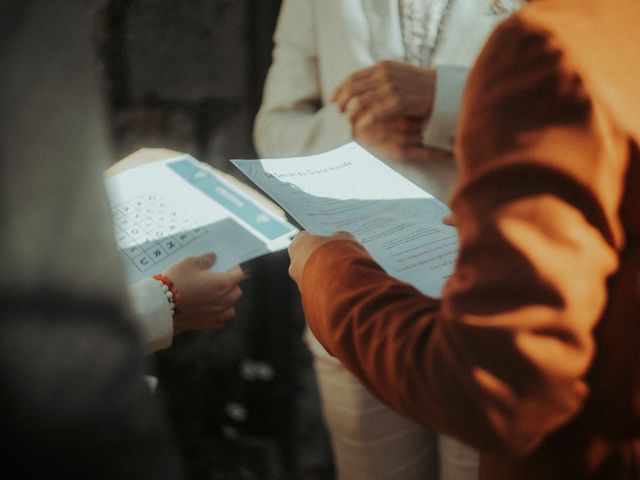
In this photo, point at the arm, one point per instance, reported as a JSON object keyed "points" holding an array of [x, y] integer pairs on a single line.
{"points": [[293, 119], [508, 347], [152, 312], [206, 301]]}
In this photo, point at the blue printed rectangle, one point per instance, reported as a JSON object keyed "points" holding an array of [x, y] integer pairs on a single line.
{"points": [[239, 205]]}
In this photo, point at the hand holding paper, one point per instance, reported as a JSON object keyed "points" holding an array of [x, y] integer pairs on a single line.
{"points": [[304, 244], [170, 209], [348, 189], [207, 298]]}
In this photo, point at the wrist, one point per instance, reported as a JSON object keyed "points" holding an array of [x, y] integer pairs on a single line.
{"points": [[173, 298]]}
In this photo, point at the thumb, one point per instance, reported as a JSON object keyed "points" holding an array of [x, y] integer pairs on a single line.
{"points": [[449, 220], [206, 261]]}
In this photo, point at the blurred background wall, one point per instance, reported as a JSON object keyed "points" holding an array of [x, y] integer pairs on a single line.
{"points": [[188, 75]]}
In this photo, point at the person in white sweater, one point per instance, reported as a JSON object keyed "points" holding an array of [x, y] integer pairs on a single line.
{"points": [[390, 75]]}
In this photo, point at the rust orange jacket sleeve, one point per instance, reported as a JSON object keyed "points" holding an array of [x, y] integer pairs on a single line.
{"points": [[500, 360]]}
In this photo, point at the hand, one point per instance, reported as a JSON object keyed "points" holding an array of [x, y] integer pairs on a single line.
{"points": [[386, 89], [206, 298], [303, 245], [394, 138], [449, 220]]}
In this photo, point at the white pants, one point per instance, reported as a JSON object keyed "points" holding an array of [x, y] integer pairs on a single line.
{"points": [[372, 442]]}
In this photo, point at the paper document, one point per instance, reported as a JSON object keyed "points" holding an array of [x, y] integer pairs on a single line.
{"points": [[349, 189], [170, 209]]}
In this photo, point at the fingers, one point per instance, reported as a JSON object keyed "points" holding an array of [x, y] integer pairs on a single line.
{"points": [[386, 107], [366, 92], [218, 284], [383, 74], [227, 299], [398, 138], [300, 237], [295, 247], [384, 89], [297, 242], [407, 124], [404, 151], [449, 220], [371, 99], [354, 85], [342, 235], [236, 274], [416, 154], [189, 265], [206, 261], [304, 245], [207, 298], [222, 302], [410, 140], [214, 312], [228, 314], [209, 312], [220, 319], [381, 98]]}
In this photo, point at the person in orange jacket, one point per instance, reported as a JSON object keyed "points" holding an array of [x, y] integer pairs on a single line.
{"points": [[532, 354]]}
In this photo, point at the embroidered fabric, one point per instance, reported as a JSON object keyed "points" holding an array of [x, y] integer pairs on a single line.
{"points": [[421, 23], [504, 7]]}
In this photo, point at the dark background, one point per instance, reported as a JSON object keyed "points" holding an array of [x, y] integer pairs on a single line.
{"points": [[188, 75]]}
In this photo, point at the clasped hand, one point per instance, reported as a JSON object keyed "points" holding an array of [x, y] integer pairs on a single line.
{"points": [[387, 105]]}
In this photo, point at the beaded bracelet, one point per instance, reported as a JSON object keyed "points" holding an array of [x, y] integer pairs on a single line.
{"points": [[170, 291]]}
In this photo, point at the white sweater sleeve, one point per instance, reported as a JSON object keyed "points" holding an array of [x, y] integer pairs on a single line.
{"points": [[440, 129], [153, 314], [293, 119]]}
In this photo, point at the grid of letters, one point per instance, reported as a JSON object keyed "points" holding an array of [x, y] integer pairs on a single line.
{"points": [[148, 229]]}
